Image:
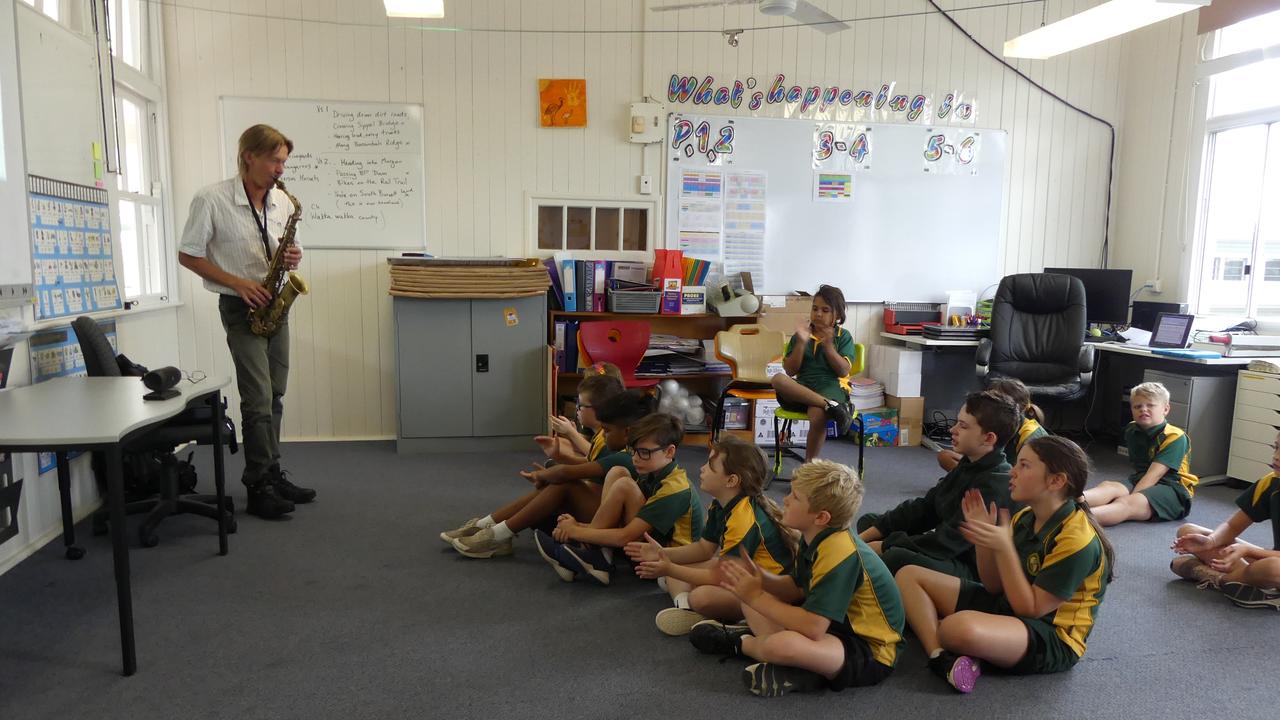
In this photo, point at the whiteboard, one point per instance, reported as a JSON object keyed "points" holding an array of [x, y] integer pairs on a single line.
{"points": [[356, 167], [15, 246], [901, 228]]}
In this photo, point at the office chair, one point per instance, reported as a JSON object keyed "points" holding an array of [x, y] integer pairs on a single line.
{"points": [[621, 342], [1037, 336], [150, 458]]}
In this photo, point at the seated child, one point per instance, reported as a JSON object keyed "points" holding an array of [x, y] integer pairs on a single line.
{"points": [[566, 444], [817, 363], [574, 488], [1246, 573], [740, 516], [1161, 486], [659, 502], [1032, 422], [835, 621], [1043, 576], [926, 531]]}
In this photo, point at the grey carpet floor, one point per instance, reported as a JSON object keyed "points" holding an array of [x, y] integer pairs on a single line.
{"points": [[353, 608]]}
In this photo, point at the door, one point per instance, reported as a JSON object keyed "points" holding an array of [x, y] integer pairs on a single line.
{"points": [[509, 374], [433, 367]]}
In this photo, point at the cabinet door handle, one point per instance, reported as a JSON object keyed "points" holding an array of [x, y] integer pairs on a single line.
{"points": [[482, 363]]}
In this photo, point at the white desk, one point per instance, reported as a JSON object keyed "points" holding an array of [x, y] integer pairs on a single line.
{"points": [[103, 413], [1140, 351], [921, 341]]}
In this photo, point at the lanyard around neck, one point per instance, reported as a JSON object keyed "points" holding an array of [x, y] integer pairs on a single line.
{"points": [[261, 223]]}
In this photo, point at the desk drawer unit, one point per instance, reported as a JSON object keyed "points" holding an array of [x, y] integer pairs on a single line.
{"points": [[1254, 427], [1202, 406]]}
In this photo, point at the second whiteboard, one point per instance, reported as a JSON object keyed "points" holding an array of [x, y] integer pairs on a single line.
{"points": [[356, 167]]}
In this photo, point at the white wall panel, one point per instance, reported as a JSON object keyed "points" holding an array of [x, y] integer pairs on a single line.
{"points": [[485, 153]]}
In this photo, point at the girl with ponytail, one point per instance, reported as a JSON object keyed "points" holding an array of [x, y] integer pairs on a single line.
{"points": [[1044, 574], [1032, 422], [741, 517]]}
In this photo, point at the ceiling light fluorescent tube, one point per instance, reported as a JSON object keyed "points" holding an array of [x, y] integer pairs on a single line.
{"points": [[1112, 18], [414, 8]]}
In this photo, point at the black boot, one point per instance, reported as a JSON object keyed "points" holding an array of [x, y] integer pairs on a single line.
{"points": [[286, 489], [266, 503]]}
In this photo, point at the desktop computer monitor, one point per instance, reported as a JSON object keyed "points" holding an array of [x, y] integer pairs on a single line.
{"points": [[1106, 293]]}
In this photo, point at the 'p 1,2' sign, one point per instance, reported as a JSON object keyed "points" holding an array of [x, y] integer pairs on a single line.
{"points": [[690, 137]]}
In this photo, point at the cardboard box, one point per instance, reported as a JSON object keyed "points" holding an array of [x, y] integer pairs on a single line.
{"points": [[762, 426], [895, 359], [910, 418], [737, 412], [785, 312], [881, 427], [901, 385], [693, 300]]}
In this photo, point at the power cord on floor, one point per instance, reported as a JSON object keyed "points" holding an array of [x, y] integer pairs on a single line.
{"points": [[939, 427]]}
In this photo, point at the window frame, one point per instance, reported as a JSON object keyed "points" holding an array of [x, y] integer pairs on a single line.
{"points": [[565, 201], [1203, 130]]}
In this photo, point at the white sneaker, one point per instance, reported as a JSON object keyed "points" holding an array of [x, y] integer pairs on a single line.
{"points": [[676, 621], [467, 529]]}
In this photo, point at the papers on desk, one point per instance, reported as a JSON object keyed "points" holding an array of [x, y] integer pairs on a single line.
{"points": [[1137, 336]]}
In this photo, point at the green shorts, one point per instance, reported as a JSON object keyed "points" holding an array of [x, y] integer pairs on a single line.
{"points": [[1168, 500], [1046, 653]]}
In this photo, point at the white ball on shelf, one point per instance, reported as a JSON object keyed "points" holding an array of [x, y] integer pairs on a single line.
{"points": [[669, 387], [695, 415]]}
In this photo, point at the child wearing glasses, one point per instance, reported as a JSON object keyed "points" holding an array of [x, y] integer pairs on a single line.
{"points": [[659, 501]]}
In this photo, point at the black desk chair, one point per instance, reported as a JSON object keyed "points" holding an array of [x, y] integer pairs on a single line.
{"points": [[1037, 336], [150, 460]]}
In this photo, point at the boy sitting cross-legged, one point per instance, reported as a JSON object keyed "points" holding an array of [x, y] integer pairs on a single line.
{"points": [[847, 627], [659, 501], [925, 531]]}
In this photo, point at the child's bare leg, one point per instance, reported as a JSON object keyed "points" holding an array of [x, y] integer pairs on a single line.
{"points": [[817, 433], [1207, 556], [761, 629], [824, 656], [787, 387], [1103, 493], [1263, 573], [620, 500], [927, 594], [545, 503], [1129, 507], [999, 639], [715, 602], [505, 512], [676, 587]]}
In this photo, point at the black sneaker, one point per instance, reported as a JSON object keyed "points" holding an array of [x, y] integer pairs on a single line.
{"points": [[590, 560], [960, 671], [769, 680], [712, 637], [288, 490], [838, 412], [266, 503]]}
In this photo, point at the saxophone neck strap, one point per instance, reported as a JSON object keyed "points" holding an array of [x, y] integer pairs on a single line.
{"points": [[261, 223]]}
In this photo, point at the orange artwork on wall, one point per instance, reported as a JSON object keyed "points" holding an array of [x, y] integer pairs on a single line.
{"points": [[562, 102]]}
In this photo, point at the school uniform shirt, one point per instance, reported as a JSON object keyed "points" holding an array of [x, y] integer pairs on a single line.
{"points": [[610, 459], [931, 524], [744, 523], [846, 582], [1066, 560], [1262, 503], [220, 227], [672, 506], [814, 371], [1167, 445], [597, 446], [1029, 430]]}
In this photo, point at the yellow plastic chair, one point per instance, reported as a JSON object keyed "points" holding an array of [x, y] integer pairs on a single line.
{"points": [[747, 349], [782, 420]]}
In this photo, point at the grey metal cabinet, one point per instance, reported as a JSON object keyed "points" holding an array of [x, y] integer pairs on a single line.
{"points": [[1202, 406], [471, 373]]}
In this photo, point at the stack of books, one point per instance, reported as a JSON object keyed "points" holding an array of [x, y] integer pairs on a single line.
{"points": [[582, 285], [866, 393], [672, 355]]}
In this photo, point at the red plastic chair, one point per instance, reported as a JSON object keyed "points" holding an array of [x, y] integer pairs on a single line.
{"points": [[621, 342]]}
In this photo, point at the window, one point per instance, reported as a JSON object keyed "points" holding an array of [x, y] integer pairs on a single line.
{"points": [[48, 7], [600, 226], [1239, 230], [141, 252], [127, 29]]}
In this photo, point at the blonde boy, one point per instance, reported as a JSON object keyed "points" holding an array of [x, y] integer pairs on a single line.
{"points": [[1161, 485], [836, 621]]}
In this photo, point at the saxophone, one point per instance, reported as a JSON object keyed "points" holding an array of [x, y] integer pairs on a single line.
{"points": [[284, 285]]}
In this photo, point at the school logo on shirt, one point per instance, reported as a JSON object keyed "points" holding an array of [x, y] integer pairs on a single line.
{"points": [[1033, 563]]}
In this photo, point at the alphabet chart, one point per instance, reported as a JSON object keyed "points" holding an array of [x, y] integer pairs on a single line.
{"points": [[71, 249]]}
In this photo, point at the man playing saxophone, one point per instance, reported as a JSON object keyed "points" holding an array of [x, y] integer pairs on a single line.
{"points": [[232, 233]]}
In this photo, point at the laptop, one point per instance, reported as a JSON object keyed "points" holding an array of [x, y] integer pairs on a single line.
{"points": [[1171, 330]]}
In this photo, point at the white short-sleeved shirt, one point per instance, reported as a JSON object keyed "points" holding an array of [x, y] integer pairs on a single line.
{"points": [[221, 228]]}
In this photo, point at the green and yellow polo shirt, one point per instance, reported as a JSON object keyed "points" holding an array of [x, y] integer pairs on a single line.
{"points": [[672, 506], [1029, 431], [1167, 445], [1066, 560], [597, 446], [1262, 503], [744, 523], [814, 371], [846, 582]]}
